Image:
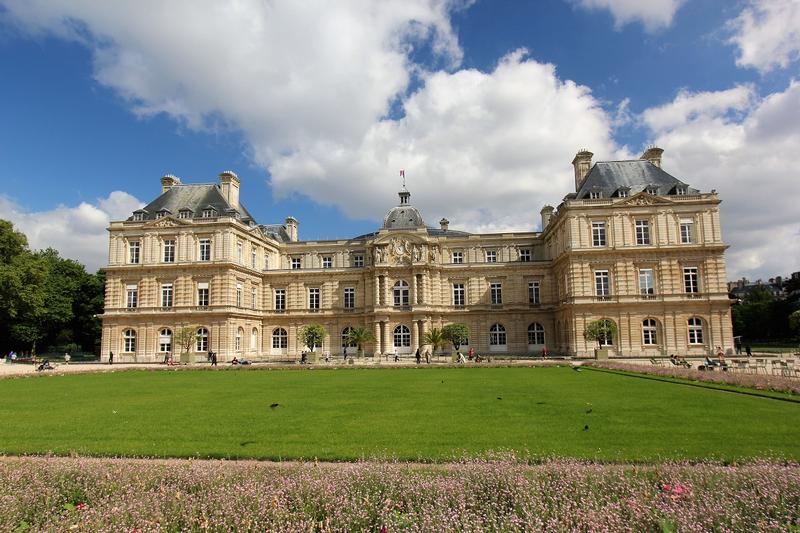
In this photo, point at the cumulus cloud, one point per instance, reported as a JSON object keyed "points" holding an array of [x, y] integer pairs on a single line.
{"points": [[767, 33], [743, 146], [76, 232], [654, 14]]}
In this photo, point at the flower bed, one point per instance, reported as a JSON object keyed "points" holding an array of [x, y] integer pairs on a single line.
{"points": [[63, 494], [754, 381]]}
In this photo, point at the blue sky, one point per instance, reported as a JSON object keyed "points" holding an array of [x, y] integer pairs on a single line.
{"points": [[318, 106]]}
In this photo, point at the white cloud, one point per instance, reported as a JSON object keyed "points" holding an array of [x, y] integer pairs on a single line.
{"points": [[654, 14], [76, 232], [748, 157], [767, 33]]}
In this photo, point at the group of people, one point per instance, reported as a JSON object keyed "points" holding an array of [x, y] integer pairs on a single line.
{"points": [[212, 358]]}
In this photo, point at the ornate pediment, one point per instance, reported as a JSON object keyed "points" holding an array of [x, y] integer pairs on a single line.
{"points": [[643, 198], [166, 222], [400, 250]]}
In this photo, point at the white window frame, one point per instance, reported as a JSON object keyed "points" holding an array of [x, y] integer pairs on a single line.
{"points": [[203, 294], [498, 335], [691, 280], [165, 340], [642, 232], [129, 341], [602, 283], [280, 299], [358, 261], [313, 298], [459, 295], [327, 261], [201, 340], [296, 263], [401, 293], [280, 339], [534, 292], [401, 336], [687, 231], [204, 250], [131, 296], [254, 297], [496, 293], [525, 255], [649, 332], [167, 295], [491, 256], [598, 233], [458, 257], [647, 281], [169, 251], [695, 331], [239, 288], [349, 297], [134, 252], [536, 334]]}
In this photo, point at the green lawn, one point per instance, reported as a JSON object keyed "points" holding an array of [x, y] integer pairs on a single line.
{"points": [[409, 414]]}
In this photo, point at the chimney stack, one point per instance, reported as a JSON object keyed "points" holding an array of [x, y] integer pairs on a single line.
{"points": [[168, 181], [582, 164], [291, 228], [547, 215], [444, 223], [229, 185], [653, 154]]}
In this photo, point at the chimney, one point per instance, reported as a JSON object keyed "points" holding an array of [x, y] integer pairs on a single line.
{"points": [[653, 154], [291, 228], [168, 181], [582, 164], [444, 223], [229, 185], [547, 215]]}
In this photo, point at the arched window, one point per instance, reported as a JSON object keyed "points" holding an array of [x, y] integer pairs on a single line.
{"points": [[129, 340], [345, 334], [497, 335], [165, 340], [535, 333], [695, 330], [402, 337], [401, 294], [254, 339], [606, 339], [280, 339], [649, 332], [202, 340], [238, 339]]}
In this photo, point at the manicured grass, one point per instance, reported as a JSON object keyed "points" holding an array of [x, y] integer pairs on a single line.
{"points": [[410, 414]]}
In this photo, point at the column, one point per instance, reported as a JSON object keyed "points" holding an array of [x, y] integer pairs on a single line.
{"points": [[387, 296], [423, 329], [414, 336], [414, 290], [377, 292], [377, 338], [383, 340]]}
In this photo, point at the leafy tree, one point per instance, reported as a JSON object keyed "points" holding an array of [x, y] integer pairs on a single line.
{"points": [[457, 334], [360, 335], [435, 337], [602, 330], [184, 337], [313, 335], [794, 321]]}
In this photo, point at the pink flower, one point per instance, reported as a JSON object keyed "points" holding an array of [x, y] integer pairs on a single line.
{"points": [[81, 506]]}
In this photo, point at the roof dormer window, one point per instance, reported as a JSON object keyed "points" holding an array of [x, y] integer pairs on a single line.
{"points": [[185, 213], [138, 216], [593, 195], [623, 192], [162, 213], [209, 212], [680, 190], [652, 189]]}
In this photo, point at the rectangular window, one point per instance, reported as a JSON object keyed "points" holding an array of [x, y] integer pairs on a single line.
{"points": [[138, 217], [598, 233], [133, 252], [166, 295], [266, 261], [458, 257], [169, 251], [295, 263], [690, 280], [313, 298], [253, 297], [458, 295], [358, 261], [601, 283], [646, 281], [238, 295], [595, 194], [240, 252], [205, 250], [491, 256], [349, 298], [202, 294], [208, 213], [183, 214], [496, 293], [253, 255], [533, 292], [327, 262], [642, 232], [525, 255], [687, 231], [280, 299], [132, 296]]}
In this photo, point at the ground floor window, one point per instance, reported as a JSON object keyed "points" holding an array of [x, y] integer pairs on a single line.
{"points": [[606, 338], [402, 337], [280, 339], [129, 340], [345, 336], [497, 335], [165, 340], [536, 333], [201, 344], [695, 331], [254, 339], [649, 332], [238, 339]]}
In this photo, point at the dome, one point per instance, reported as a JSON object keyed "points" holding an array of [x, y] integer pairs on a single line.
{"points": [[404, 216]]}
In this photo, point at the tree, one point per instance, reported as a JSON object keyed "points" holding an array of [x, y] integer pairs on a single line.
{"points": [[435, 337], [794, 321], [360, 335], [313, 335], [603, 331], [457, 334], [184, 337]]}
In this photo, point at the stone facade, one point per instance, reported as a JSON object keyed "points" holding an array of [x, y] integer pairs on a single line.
{"points": [[650, 260]]}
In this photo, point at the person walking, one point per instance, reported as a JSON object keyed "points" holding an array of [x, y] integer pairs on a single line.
{"points": [[110, 358], [213, 358], [418, 356], [427, 357], [748, 351]]}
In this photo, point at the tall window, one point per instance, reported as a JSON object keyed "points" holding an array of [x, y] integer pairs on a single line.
{"points": [[327, 262], [496, 293], [238, 295], [280, 299], [400, 294], [169, 251], [296, 263], [535, 333], [690, 280], [358, 261], [201, 340], [598, 233], [132, 296], [202, 294], [642, 232], [345, 336], [646, 281], [491, 256], [497, 335], [253, 297], [205, 250], [253, 256], [266, 261], [525, 255], [458, 295], [687, 231], [649, 332], [606, 340], [313, 298], [165, 340], [695, 331], [280, 339], [458, 257], [166, 295], [402, 337], [133, 252], [254, 339], [237, 340], [349, 297], [240, 252], [533, 292], [129, 341], [602, 287]]}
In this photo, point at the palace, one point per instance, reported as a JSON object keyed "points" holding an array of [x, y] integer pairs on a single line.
{"points": [[632, 245]]}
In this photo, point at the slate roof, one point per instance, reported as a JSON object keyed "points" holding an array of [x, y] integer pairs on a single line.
{"points": [[275, 232], [637, 175], [196, 198]]}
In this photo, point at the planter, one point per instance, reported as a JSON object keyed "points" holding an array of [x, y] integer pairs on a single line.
{"points": [[185, 358], [601, 353], [312, 357]]}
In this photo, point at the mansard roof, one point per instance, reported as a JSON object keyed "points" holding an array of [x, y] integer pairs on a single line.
{"points": [[195, 198], [608, 177], [276, 232]]}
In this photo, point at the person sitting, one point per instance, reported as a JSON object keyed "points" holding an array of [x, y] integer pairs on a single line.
{"points": [[245, 362], [479, 359], [234, 361], [461, 359]]}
